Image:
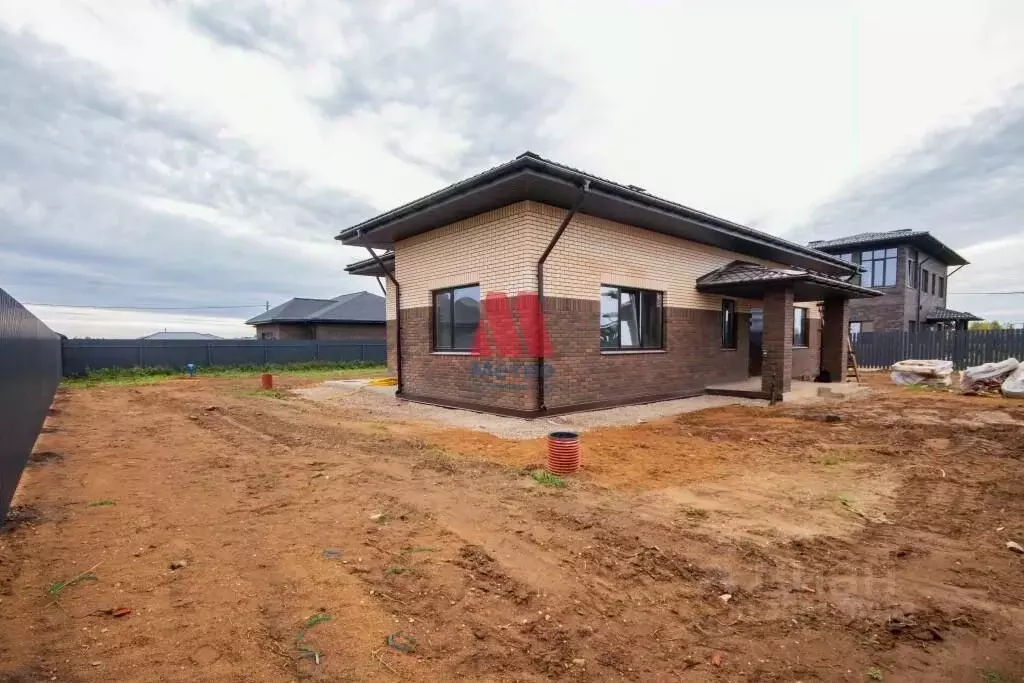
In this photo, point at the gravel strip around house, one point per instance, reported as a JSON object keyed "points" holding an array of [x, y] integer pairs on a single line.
{"points": [[380, 403]]}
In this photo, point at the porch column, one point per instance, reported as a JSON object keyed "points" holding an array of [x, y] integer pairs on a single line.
{"points": [[777, 341], [834, 338]]}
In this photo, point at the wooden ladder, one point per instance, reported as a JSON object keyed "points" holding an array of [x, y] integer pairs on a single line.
{"points": [[851, 360]]}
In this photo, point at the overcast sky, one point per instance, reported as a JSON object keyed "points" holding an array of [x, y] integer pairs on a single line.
{"points": [[160, 154]]}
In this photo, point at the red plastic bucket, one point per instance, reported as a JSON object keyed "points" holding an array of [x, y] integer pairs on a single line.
{"points": [[267, 380], [563, 452]]}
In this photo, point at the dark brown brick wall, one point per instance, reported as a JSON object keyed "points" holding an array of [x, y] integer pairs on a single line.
{"points": [[502, 383], [284, 331], [692, 359], [777, 367], [834, 338], [344, 331]]}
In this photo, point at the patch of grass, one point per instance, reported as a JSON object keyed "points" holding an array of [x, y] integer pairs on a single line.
{"points": [[875, 674], [420, 549], [268, 393], [545, 478], [56, 588], [993, 676], [304, 650], [149, 375], [395, 571], [830, 460], [100, 503]]}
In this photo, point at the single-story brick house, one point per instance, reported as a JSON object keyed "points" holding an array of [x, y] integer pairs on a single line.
{"points": [[357, 316], [535, 288]]}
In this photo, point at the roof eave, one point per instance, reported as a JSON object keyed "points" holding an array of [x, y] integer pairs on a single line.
{"points": [[535, 169]]}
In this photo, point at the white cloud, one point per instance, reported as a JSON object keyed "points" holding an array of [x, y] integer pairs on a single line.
{"points": [[94, 322], [203, 150]]}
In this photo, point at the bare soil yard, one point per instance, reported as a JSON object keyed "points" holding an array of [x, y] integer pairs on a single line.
{"points": [[851, 540]]}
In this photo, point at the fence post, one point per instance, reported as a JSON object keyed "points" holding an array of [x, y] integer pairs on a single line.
{"points": [[264, 353], [141, 345], [316, 350]]}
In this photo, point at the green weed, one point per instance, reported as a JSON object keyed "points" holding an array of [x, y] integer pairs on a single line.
{"points": [[875, 674], [55, 589], [545, 478], [395, 571], [100, 503], [830, 460], [696, 513], [142, 375]]}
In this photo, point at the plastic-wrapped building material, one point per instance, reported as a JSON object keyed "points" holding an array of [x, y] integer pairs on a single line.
{"points": [[987, 377], [936, 373], [1013, 386]]}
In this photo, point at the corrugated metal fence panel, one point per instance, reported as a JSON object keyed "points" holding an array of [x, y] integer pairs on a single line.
{"points": [[966, 348], [81, 355], [30, 371]]}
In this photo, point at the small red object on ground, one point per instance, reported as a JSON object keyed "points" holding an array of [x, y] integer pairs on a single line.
{"points": [[563, 452], [267, 380]]}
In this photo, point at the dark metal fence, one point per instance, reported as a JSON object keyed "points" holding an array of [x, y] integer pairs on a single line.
{"points": [[81, 355], [30, 370], [966, 348]]}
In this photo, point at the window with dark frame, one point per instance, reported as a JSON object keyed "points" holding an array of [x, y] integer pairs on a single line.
{"points": [[631, 319], [878, 268], [801, 327], [934, 288], [923, 284], [912, 271], [456, 313], [729, 325], [942, 286]]}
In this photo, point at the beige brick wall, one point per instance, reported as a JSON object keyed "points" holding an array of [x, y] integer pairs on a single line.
{"points": [[499, 249]]}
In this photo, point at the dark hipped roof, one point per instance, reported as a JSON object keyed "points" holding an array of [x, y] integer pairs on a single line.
{"points": [[747, 281], [358, 307], [531, 177], [944, 314], [370, 267], [196, 336], [921, 239]]}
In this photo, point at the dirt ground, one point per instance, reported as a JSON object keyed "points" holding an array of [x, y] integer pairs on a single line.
{"points": [[850, 540]]}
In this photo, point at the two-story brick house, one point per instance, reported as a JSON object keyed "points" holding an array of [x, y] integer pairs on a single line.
{"points": [[535, 288], [911, 269]]}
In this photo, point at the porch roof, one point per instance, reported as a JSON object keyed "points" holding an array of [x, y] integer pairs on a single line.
{"points": [[946, 314], [370, 266], [745, 280]]}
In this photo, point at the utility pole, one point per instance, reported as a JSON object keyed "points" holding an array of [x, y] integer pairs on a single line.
{"points": [[267, 305]]}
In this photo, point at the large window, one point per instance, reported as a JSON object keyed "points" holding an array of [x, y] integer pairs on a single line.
{"points": [[456, 318], [631, 318], [879, 268], [729, 327], [801, 327]]}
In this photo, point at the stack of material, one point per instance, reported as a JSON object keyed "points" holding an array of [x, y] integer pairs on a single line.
{"points": [[935, 373], [988, 377], [1013, 386]]}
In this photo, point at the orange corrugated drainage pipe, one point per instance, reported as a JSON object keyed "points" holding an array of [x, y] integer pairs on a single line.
{"points": [[563, 452], [267, 380]]}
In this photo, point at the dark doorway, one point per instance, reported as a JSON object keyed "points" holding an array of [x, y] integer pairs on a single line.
{"points": [[756, 334]]}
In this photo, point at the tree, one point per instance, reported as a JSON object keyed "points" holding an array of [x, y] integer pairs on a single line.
{"points": [[986, 325]]}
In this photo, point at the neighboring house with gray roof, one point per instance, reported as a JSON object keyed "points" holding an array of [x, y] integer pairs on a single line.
{"points": [[911, 268], [357, 316]]}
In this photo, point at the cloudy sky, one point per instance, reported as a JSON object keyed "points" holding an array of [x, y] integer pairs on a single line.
{"points": [[162, 154]]}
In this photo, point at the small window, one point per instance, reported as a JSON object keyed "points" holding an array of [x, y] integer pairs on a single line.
{"points": [[923, 284], [942, 286], [934, 288], [729, 327], [631, 318], [912, 271], [456, 318], [855, 329], [801, 327]]}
